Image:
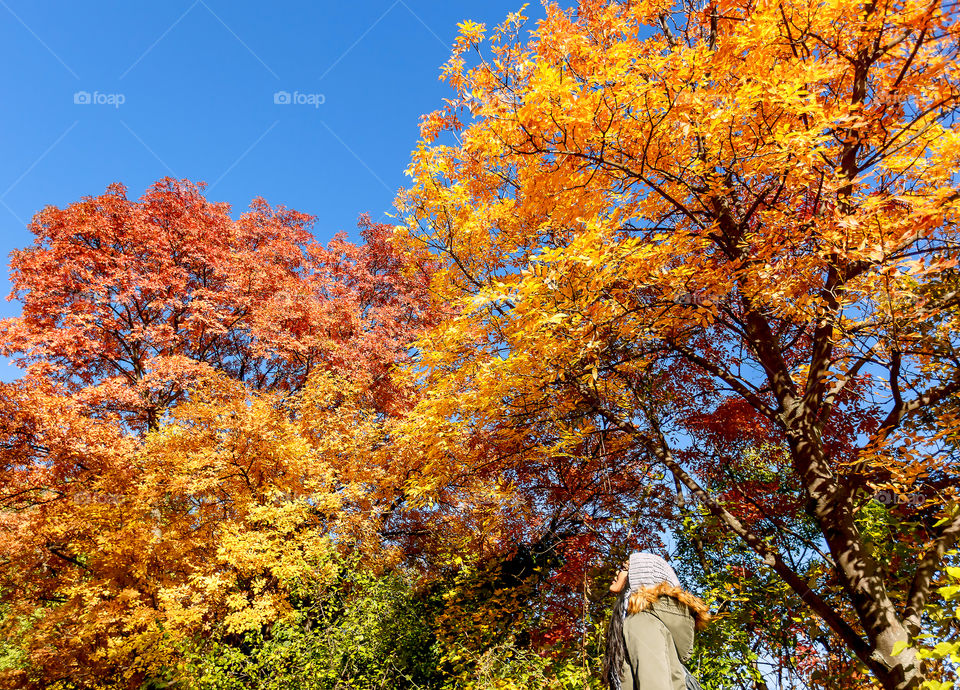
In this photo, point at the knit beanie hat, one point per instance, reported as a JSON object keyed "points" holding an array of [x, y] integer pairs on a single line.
{"points": [[649, 570]]}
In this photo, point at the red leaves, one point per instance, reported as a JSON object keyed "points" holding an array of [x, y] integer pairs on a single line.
{"points": [[139, 298]]}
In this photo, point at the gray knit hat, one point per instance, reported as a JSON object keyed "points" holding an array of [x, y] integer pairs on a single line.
{"points": [[649, 570]]}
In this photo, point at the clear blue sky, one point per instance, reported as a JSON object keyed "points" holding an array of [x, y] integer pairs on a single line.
{"points": [[197, 80]]}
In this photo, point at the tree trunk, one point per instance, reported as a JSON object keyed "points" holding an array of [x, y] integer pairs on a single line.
{"points": [[830, 505]]}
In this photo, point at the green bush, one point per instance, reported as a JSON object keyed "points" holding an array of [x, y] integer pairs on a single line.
{"points": [[369, 632], [366, 633]]}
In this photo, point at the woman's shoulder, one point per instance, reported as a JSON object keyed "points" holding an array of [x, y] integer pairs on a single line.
{"points": [[670, 596]]}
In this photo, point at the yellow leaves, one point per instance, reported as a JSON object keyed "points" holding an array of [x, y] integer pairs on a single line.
{"points": [[606, 129], [471, 32], [236, 503], [251, 613], [514, 20]]}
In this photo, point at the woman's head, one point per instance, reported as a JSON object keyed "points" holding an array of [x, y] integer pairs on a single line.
{"points": [[649, 570], [643, 569]]}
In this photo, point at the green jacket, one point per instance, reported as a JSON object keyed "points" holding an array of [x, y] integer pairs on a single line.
{"points": [[658, 641]]}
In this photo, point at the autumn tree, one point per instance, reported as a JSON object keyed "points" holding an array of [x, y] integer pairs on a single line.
{"points": [[701, 228], [200, 429], [130, 300]]}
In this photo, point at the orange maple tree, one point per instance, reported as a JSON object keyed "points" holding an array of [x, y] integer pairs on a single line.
{"points": [[702, 227]]}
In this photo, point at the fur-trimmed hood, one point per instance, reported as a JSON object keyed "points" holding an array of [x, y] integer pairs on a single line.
{"points": [[644, 597]]}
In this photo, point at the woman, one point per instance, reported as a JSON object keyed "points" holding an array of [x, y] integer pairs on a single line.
{"points": [[650, 635]]}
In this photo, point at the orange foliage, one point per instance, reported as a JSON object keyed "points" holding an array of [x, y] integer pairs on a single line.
{"points": [[682, 231]]}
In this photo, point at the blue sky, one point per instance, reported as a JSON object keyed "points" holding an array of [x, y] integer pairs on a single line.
{"points": [[121, 91]]}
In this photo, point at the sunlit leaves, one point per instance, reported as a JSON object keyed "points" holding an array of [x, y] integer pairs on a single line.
{"points": [[656, 220]]}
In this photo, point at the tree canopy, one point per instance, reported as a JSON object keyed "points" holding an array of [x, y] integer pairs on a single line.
{"points": [[674, 277], [726, 238]]}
